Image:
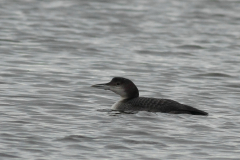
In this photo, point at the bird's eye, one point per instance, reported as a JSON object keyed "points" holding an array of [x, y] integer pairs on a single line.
{"points": [[118, 83]]}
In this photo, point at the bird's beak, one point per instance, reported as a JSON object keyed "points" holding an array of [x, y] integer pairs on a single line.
{"points": [[102, 86]]}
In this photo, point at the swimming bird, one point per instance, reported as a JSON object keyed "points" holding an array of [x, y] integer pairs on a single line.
{"points": [[130, 100]]}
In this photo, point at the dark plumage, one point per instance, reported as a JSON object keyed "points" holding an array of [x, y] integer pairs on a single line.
{"points": [[132, 102], [158, 105]]}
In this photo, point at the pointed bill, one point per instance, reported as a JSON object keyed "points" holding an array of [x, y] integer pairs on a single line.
{"points": [[101, 86]]}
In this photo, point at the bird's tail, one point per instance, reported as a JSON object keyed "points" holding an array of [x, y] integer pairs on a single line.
{"points": [[195, 111]]}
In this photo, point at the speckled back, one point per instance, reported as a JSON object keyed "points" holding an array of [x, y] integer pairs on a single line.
{"points": [[155, 105]]}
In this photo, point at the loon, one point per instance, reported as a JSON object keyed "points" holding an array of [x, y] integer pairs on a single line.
{"points": [[132, 102]]}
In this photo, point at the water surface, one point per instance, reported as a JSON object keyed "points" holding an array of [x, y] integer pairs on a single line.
{"points": [[53, 51]]}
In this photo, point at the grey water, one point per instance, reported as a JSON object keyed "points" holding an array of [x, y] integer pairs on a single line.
{"points": [[51, 52]]}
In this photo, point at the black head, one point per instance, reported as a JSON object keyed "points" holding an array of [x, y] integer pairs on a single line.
{"points": [[121, 86]]}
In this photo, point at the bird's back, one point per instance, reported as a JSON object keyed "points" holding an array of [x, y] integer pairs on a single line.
{"points": [[156, 105]]}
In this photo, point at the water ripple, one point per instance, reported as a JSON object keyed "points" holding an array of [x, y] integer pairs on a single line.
{"points": [[52, 52]]}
